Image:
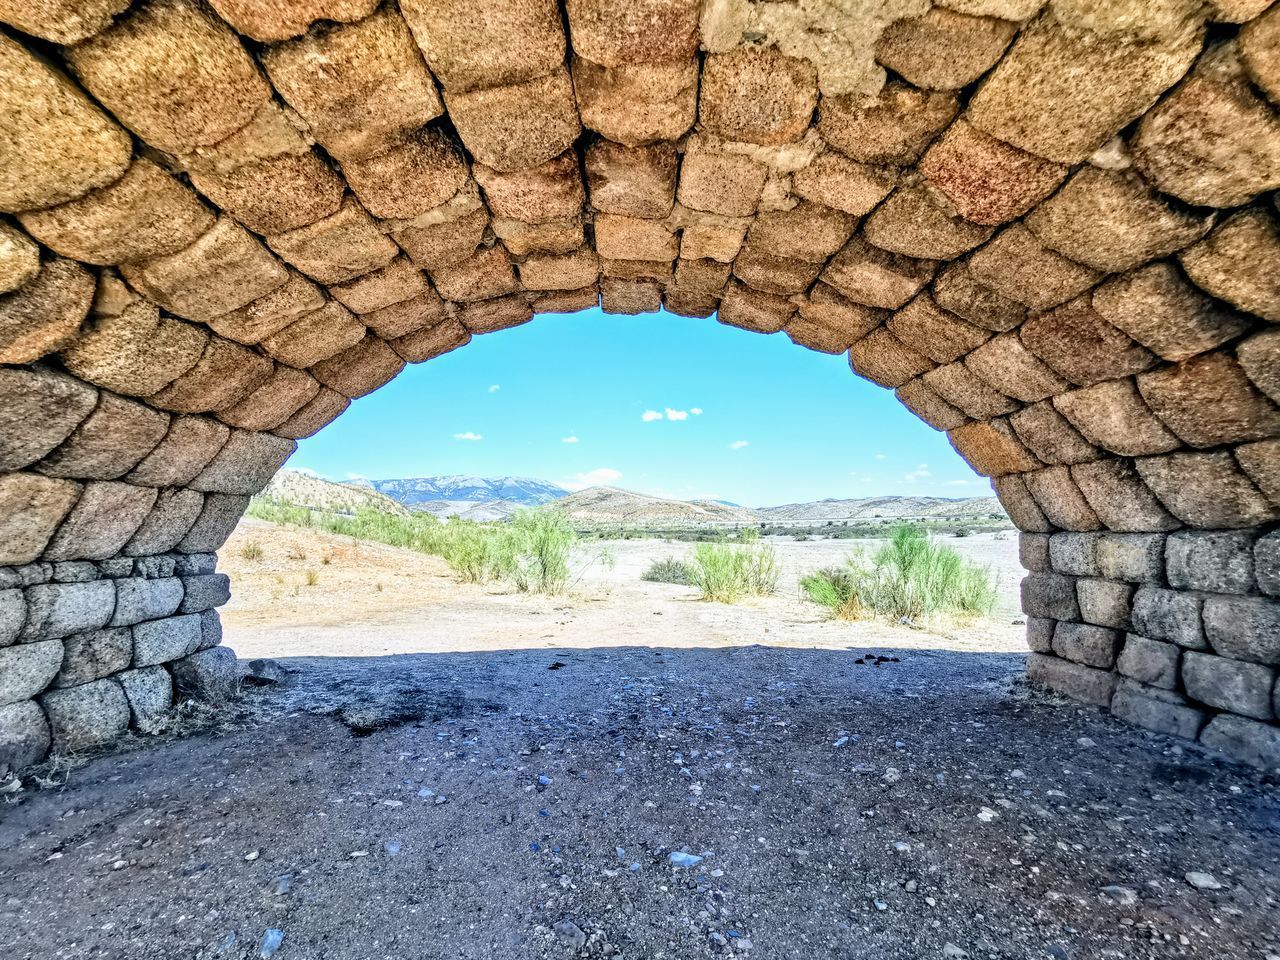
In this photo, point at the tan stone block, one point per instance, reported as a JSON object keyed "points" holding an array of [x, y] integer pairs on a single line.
{"points": [[777, 275], [1261, 463], [57, 145], [633, 238], [917, 397], [1050, 436], [1062, 93], [446, 239], [61, 21], [274, 402], [41, 409], [432, 341], [1114, 416], [500, 313], [405, 317], [614, 32], [689, 303], [316, 336], [832, 179], [410, 178], [715, 180], [629, 296], [284, 19], [337, 248], [31, 509], [1164, 313], [875, 277], [361, 87], [487, 274], [19, 258], [1060, 499], [884, 359], [753, 310], [218, 517], [833, 321], [912, 222], [1119, 498], [550, 191], [1018, 266], [992, 448], [659, 270], [487, 43], [361, 369], [556, 236], [225, 269], [144, 214], [1005, 364], [1213, 141], [893, 127], [943, 50], [174, 514], [712, 237], [568, 272], [398, 281], [277, 194], [704, 276], [808, 231], [108, 443], [1081, 346], [186, 450], [632, 181], [1237, 11], [46, 312], [260, 318], [637, 103], [107, 514], [1259, 46], [519, 125], [959, 386], [1259, 357], [988, 181], [225, 374], [320, 412], [757, 95], [955, 289], [1208, 401], [1020, 505], [567, 301], [1240, 263], [1206, 490], [173, 74], [937, 333]]}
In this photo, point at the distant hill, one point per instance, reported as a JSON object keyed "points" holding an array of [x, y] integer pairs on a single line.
{"points": [[475, 498], [304, 490], [612, 505], [864, 508]]}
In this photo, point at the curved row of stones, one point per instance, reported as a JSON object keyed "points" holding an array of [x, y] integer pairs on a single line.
{"points": [[1050, 227]]}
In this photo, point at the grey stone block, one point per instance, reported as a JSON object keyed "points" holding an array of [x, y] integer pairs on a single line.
{"points": [[1074, 553], [1086, 643], [204, 592], [1072, 679], [1215, 561], [1144, 707], [61, 609], [116, 567], [1040, 634], [10, 579], [149, 691], [13, 615], [1133, 557], [94, 655], [1033, 551], [210, 675], [86, 716], [1151, 662], [138, 599], [28, 668], [1247, 628], [160, 641], [1266, 563], [218, 517], [155, 567], [194, 564], [1050, 595], [75, 571], [1105, 602], [24, 735], [1232, 685], [33, 573], [210, 629], [1245, 740], [1169, 615]]}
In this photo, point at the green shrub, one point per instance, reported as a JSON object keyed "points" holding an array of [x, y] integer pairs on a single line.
{"points": [[670, 570], [536, 558], [726, 573], [252, 550]]}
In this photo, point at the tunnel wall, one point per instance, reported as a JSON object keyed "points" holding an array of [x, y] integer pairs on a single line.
{"points": [[1051, 228]]}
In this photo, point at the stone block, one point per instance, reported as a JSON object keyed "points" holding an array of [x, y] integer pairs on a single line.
{"points": [[875, 277], [13, 614], [569, 272], [781, 276], [915, 395], [107, 514], [703, 276], [1133, 557], [75, 571], [1140, 705], [1240, 262], [44, 314], [1233, 685], [1119, 497], [274, 402], [631, 181], [660, 270], [361, 87], [1114, 416], [204, 592], [637, 103], [629, 296], [428, 169], [268, 23], [1266, 563], [1075, 553], [225, 374], [522, 239], [210, 629], [432, 341], [633, 238], [943, 50], [1244, 628], [189, 445], [913, 222], [1049, 435], [194, 564], [61, 21], [717, 181], [1248, 741], [324, 409], [1261, 463], [519, 125], [884, 359], [447, 235], [486, 275], [1209, 401], [1259, 49], [337, 248], [276, 193], [753, 310], [487, 44], [956, 290], [58, 144], [41, 409], [992, 448], [690, 303], [757, 95], [613, 32], [153, 567], [1074, 680], [316, 336], [218, 517], [1169, 615], [109, 442], [547, 192], [893, 127], [838, 321], [245, 464], [31, 509], [1206, 490], [1217, 561], [139, 599], [1086, 643], [94, 655], [567, 301], [149, 691], [361, 369], [172, 517], [24, 735], [500, 313], [808, 231], [1104, 602], [19, 258], [835, 181], [162, 641], [1006, 365], [1082, 347], [28, 668], [1033, 552], [1018, 266], [1051, 596], [405, 317], [86, 716], [1150, 662], [1259, 357], [210, 675], [1040, 634]]}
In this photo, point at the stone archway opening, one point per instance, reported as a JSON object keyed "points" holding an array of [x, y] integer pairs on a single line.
{"points": [[1051, 231]]}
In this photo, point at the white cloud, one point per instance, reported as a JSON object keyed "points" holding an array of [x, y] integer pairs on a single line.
{"points": [[670, 413], [738, 444], [880, 456], [650, 415], [495, 388], [593, 478], [677, 414], [919, 473], [468, 436], [568, 439], [696, 411]]}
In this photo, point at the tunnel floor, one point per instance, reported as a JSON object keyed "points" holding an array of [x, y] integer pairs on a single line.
{"points": [[844, 803]]}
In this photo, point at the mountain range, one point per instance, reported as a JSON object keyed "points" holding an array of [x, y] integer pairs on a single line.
{"points": [[469, 497]]}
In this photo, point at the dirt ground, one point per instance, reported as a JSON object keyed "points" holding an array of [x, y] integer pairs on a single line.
{"points": [[527, 779]]}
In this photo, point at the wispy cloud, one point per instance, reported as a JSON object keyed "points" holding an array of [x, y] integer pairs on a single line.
{"points": [[568, 439], [494, 388], [738, 444], [696, 411], [650, 415], [593, 478], [468, 436], [670, 413], [921, 472]]}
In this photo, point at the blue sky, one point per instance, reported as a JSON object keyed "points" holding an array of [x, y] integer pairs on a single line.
{"points": [[667, 405]]}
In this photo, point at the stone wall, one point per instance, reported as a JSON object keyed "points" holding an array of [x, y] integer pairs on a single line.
{"points": [[1050, 227]]}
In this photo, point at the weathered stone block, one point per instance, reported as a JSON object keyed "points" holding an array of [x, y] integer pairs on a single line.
{"points": [[107, 514], [943, 50], [1135, 703], [75, 571], [411, 178], [1040, 634], [884, 359], [452, 234], [24, 735], [189, 445], [138, 599], [204, 592], [245, 464], [689, 303], [632, 181], [753, 310], [61, 21], [31, 509], [162, 641], [316, 336], [1150, 661], [835, 181], [557, 236], [1261, 463], [875, 277], [629, 296], [1243, 688], [613, 32], [486, 275], [1104, 602], [956, 289], [808, 231], [926, 403], [86, 716], [1081, 346], [633, 238], [324, 409], [1169, 615], [19, 258], [1245, 628], [273, 402], [361, 369], [1119, 497], [570, 272], [41, 409], [893, 127], [218, 517], [1006, 365], [94, 655], [277, 193], [781, 276], [1050, 595], [210, 675], [172, 517], [337, 248], [550, 191], [407, 316], [1219, 562], [1086, 643], [109, 442], [268, 23], [1240, 262], [1258, 44], [194, 564], [992, 448], [1266, 563], [841, 322], [13, 614], [1075, 553], [149, 691], [914, 223], [1020, 505], [45, 313], [500, 313], [1033, 552], [567, 301], [210, 629], [1050, 436], [1134, 557], [1209, 401], [519, 125], [432, 341], [225, 374], [1245, 740], [757, 95], [1072, 679], [1114, 416], [717, 181], [27, 668], [1259, 357], [637, 103], [1206, 490], [1018, 266]]}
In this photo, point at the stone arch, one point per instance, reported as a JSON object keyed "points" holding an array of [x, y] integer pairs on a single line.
{"points": [[1050, 228]]}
